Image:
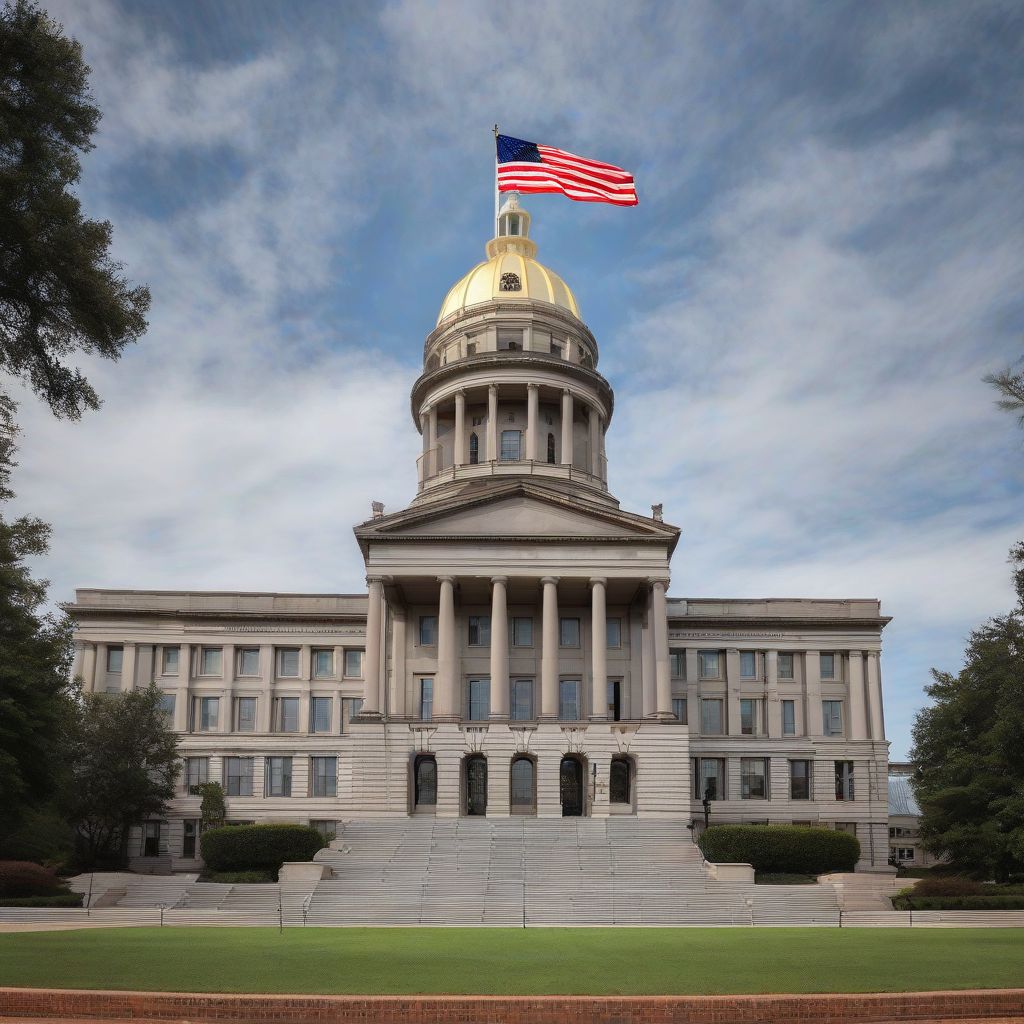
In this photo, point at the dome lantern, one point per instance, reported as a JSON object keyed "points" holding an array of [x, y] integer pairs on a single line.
{"points": [[513, 230]]}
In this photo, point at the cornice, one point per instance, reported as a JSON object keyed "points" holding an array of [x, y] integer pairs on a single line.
{"points": [[750, 622]]}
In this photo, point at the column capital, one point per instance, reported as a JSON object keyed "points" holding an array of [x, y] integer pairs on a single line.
{"points": [[858, 653], [445, 579], [499, 579], [549, 579], [598, 581], [658, 581], [532, 386], [492, 389], [376, 578]]}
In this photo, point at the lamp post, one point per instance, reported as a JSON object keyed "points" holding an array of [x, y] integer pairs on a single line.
{"points": [[706, 804]]}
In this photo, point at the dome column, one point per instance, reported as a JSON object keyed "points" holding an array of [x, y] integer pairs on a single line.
{"points": [[434, 458], [492, 422], [425, 431], [595, 442], [460, 428], [532, 405], [567, 414]]}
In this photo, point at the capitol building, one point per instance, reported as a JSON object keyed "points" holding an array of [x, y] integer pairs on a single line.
{"points": [[516, 650]]}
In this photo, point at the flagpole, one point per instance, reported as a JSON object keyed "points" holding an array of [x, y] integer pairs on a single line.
{"points": [[495, 180]]}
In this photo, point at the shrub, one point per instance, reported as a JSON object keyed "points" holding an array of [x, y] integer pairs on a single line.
{"points": [[789, 849], [238, 877], [258, 847], [23, 878], [913, 901], [61, 899], [951, 885]]}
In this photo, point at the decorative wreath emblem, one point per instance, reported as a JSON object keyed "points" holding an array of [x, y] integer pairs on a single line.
{"points": [[511, 283]]}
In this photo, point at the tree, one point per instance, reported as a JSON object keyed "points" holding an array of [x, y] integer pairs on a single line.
{"points": [[122, 765], [968, 759], [213, 809], [60, 291], [1011, 386]]}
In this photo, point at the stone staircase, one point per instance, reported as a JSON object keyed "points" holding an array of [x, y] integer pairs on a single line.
{"points": [[866, 891]]}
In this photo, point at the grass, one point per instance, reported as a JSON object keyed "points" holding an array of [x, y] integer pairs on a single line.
{"points": [[536, 961]]}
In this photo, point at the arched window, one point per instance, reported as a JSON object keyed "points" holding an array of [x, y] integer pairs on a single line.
{"points": [[476, 784], [425, 780], [523, 789], [551, 449], [474, 449], [619, 781]]}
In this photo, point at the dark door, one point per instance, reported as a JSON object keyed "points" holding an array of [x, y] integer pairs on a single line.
{"points": [[570, 783], [476, 785], [426, 782]]}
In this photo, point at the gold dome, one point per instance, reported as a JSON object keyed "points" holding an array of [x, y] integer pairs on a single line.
{"points": [[510, 272]]}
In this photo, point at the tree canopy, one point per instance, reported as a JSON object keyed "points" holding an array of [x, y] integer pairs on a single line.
{"points": [[1010, 385]]}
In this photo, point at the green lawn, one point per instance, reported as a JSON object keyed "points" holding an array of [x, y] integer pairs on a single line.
{"points": [[516, 961]]}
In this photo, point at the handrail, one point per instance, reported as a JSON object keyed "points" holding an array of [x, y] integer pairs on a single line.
{"points": [[493, 467]]}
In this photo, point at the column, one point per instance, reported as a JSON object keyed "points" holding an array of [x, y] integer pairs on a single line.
{"points": [[604, 455], [858, 709], [89, 668], [662, 666], [732, 691], [425, 432], [874, 678], [265, 704], [812, 688], [567, 414], [460, 428], [397, 701], [446, 703], [771, 672], [595, 442], [648, 702], [227, 704], [434, 459], [128, 667], [598, 649], [371, 659], [549, 649], [492, 422], [693, 688], [499, 648], [532, 396]]}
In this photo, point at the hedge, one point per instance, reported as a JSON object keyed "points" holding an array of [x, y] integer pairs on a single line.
{"points": [[61, 899], [950, 885], [258, 847], [23, 878], [958, 902], [781, 848]]}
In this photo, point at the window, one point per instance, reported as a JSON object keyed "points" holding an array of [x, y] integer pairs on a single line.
{"points": [[286, 718], [510, 339], [324, 773], [832, 717], [479, 630], [551, 449], [618, 781], [614, 700], [188, 845], [753, 778], [789, 718], [170, 661], [799, 780], [210, 661], [278, 780], [751, 714], [209, 713], [328, 829], [288, 662], [428, 631], [470, 348], [354, 664], [569, 632], [479, 699], [522, 700], [522, 787], [827, 662], [785, 664], [556, 349], [903, 852], [710, 667], [245, 714], [238, 776], [197, 771], [569, 700], [613, 631], [353, 705], [709, 778], [167, 707], [511, 445], [474, 449], [748, 664], [425, 781], [323, 663], [320, 714], [679, 708], [249, 661], [151, 839], [522, 631], [677, 661], [844, 780], [115, 659], [847, 826], [426, 699], [711, 723]]}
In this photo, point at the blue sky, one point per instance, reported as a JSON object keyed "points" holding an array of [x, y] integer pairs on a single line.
{"points": [[826, 259]]}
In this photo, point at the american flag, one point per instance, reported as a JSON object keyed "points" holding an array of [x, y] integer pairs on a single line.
{"points": [[528, 167]]}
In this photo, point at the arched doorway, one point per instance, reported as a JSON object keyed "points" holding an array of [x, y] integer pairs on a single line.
{"points": [[570, 787], [523, 786], [620, 784], [475, 782], [425, 782]]}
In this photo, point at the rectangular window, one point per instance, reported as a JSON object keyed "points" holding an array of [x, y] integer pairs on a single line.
{"points": [[522, 700], [197, 771], [151, 839], [679, 708], [288, 662], [320, 714], [328, 829], [245, 714], [711, 718], [710, 667], [510, 339], [353, 664], [751, 716], [556, 348], [188, 846], [324, 772], [748, 664], [167, 707], [170, 661], [569, 632], [799, 780], [351, 705], [785, 664], [753, 778], [209, 713], [569, 700], [613, 699], [832, 717], [613, 631], [522, 631], [905, 853], [209, 661], [286, 718], [115, 659], [238, 776], [847, 826], [709, 778], [278, 781], [510, 445], [677, 661], [323, 663], [426, 699], [827, 663], [789, 718], [428, 631], [249, 661], [844, 780], [479, 630], [479, 700]]}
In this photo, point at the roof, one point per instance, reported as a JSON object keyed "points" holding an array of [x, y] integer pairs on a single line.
{"points": [[901, 797]]}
